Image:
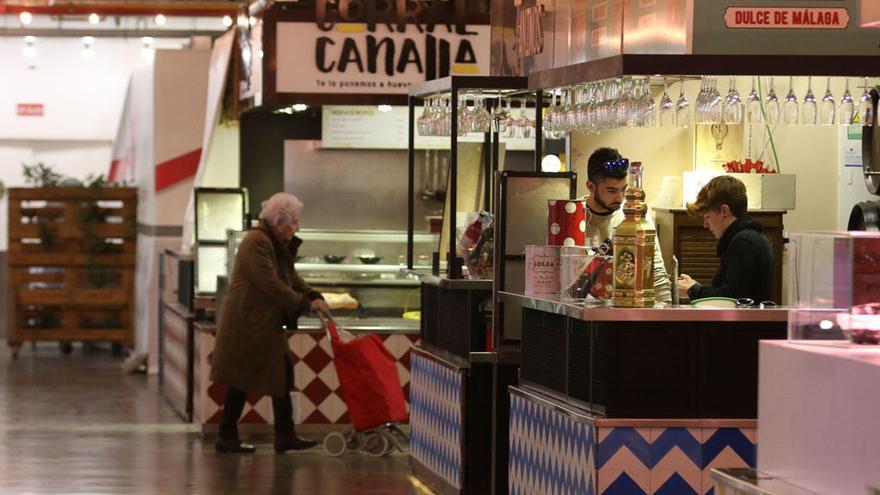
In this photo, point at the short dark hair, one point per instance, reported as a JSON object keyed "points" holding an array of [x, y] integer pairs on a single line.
{"points": [[722, 190], [596, 171]]}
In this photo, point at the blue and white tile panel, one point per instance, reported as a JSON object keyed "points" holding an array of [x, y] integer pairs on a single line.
{"points": [[550, 452], [554, 453], [435, 420]]}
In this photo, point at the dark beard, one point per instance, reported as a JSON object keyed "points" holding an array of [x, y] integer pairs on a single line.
{"points": [[604, 205]]}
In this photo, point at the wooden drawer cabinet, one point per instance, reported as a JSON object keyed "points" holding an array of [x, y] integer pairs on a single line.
{"points": [[684, 236]]}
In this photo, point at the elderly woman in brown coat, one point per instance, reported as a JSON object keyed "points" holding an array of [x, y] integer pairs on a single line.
{"points": [[251, 353]]}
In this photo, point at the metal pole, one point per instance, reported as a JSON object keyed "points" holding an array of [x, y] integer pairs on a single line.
{"points": [[539, 128], [411, 161], [452, 268]]}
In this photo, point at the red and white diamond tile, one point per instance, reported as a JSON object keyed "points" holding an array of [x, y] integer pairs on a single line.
{"points": [[315, 381]]}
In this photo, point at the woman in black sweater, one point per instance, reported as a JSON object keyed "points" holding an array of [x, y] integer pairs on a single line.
{"points": [[747, 263]]}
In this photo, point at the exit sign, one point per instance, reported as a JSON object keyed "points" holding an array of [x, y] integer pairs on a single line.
{"points": [[29, 109]]}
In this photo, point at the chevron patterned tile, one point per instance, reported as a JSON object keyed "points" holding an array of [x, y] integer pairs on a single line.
{"points": [[550, 452], [435, 418], [740, 448], [676, 483], [620, 483]]}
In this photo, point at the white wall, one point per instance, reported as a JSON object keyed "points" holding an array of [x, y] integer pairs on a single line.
{"points": [[82, 99], [223, 157]]}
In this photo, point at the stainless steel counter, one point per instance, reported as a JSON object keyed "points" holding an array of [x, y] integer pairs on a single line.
{"points": [[308, 324], [661, 312], [454, 284]]}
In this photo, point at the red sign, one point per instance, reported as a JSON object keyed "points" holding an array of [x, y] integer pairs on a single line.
{"points": [[29, 109], [786, 18]]}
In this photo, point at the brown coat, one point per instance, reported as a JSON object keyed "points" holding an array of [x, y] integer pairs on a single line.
{"points": [[264, 289]]}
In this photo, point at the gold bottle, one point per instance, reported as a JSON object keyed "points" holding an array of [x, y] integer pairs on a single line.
{"points": [[634, 242]]}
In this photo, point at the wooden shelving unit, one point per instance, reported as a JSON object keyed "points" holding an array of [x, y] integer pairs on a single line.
{"points": [[72, 253]]}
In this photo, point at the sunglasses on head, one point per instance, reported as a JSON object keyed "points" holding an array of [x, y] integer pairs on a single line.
{"points": [[747, 302], [616, 166]]}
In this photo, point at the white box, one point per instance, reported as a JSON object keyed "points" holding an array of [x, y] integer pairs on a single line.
{"points": [[766, 191]]}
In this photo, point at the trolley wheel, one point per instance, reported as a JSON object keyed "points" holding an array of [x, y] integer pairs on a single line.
{"points": [[335, 444], [116, 348], [353, 439], [65, 346], [16, 348], [398, 438], [376, 444]]}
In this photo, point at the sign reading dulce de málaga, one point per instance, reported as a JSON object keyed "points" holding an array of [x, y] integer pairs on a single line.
{"points": [[786, 18], [362, 55]]}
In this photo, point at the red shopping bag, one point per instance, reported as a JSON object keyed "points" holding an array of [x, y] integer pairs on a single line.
{"points": [[368, 380]]}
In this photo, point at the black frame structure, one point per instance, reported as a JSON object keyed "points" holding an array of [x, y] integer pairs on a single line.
{"points": [[502, 217], [453, 85]]}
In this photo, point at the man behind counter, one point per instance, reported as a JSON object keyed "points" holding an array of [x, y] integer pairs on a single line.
{"points": [[606, 183], [747, 263]]}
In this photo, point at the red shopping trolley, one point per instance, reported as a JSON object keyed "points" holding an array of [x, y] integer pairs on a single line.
{"points": [[370, 388]]}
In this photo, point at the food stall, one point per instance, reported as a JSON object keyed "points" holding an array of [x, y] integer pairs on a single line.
{"points": [[459, 404], [323, 91], [650, 399]]}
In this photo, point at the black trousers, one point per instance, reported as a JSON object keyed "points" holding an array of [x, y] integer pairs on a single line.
{"points": [[282, 409]]}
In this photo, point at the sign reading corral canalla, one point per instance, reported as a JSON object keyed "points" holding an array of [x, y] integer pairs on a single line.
{"points": [[346, 50]]}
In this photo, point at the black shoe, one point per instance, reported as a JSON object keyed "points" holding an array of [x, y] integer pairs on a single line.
{"points": [[293, 443], [233, 447]]}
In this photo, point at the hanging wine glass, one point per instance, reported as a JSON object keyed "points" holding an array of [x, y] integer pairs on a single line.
{"points": [[733, 106], [847, 106], [682, 109], [790, 105], [866, 107], [771, 105], [648, 107], [524, 124], [499, 117], [666, 107], [827, 108], [510, 123], [753, 106], [809, 111]]}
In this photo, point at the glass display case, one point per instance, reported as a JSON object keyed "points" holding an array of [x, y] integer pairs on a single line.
{"points": [[476, 126], [216, 210], [362, 274], [834, 288]]}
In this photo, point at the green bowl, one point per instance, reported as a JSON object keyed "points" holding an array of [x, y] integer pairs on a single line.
{"points": [[715, 302]]}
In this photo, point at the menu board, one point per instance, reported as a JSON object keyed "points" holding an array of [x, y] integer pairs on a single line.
{"points": [[385, 127]]}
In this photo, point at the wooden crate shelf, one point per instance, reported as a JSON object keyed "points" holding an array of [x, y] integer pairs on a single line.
{"points": [[82, 286]]}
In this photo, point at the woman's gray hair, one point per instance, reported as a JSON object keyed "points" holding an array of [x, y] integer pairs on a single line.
{"points": [[281, 208]]}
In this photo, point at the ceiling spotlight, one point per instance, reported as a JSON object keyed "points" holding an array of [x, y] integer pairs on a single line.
{"points": [[299, 107], [29, 50], [227, 21], [242, 21], [384, 108], [160, 20], [88, 52], [252, 21], [94, 18], [25, 18]]}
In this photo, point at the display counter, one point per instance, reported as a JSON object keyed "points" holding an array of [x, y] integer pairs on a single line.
{"points": [[456, 314], [316, 385], [614, 400], [176, 336], [459, 402], [818, 416]]}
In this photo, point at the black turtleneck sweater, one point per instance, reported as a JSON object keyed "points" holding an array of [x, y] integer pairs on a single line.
{"points": [[747, 268]]}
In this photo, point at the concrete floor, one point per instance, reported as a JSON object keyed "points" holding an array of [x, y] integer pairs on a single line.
{"points": [[76, 424]]}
